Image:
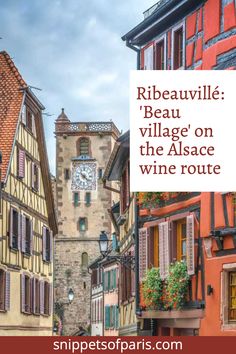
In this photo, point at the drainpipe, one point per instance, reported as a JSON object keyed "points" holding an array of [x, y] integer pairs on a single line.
{"points": [[137, 50]]}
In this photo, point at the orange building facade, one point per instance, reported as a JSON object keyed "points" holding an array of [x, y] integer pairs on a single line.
{"points": [[195, 229]]}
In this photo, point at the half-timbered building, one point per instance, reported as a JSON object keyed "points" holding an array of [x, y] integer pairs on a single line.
{"points": [[194, 228], [27, 216], [118, 170]]}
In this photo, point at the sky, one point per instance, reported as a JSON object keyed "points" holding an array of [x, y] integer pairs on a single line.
{"points": [[72, 50]]}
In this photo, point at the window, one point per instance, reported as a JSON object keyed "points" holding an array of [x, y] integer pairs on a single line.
{"points": [[14, 228], [67, 173], [83, 147], [76, 199], [35, 176], [232, 296], [83, 224], [181, 240], [160, 55], [25, 293], [27, 234], [178, 48], [148, 58], [111, 316], [100, 173], [28, 119], [47, 244], [87, 198], [4, 290], [36, 296], [125, 192], [84, 260], [20, 163]]}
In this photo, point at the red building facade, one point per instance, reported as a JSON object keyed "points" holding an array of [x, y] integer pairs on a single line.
{"points": [[196, 228]]}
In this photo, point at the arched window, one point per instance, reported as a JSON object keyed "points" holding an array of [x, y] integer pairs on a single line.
{"points": [[83, 147], [83, 224], [84, 260]]}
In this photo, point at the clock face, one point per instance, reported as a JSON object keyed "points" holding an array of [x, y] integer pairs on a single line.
{"points": [[84, 176]]}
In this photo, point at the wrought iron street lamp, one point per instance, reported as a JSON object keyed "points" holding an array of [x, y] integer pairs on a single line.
{"points": [[126, 259]]}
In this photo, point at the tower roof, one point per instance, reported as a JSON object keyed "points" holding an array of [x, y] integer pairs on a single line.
{"points": [[62, 117]]}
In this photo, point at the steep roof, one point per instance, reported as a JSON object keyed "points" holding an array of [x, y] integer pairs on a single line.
{"points": [[13, 90], [11, 99]]}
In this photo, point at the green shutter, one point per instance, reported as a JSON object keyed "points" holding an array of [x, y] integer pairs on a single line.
{"points": [[107, 316], [114, 278], [116, 316]]}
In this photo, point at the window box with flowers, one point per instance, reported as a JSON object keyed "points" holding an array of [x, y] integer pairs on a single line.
{"points": [[168, 294]]}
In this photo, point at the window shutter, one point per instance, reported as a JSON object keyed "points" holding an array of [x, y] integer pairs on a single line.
{"points": [[23, 232], [114, 278], [31, 237], [21, 163], [44, 244], [50, 300], [116, 316], [7, 290], [190, 244], [143, 238], [107, 316], [148, 58], [41, 297], [22, 292], [33, 295], [11, 228], [23, 114], [51, 246], [164, 254]]}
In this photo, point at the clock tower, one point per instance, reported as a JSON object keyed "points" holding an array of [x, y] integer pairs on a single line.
{"points": [[82, 152]]}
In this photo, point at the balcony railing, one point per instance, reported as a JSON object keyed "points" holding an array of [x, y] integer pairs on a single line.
{"points": [[97, 127]]}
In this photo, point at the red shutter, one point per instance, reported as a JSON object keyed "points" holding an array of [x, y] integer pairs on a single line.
{"points": [[164, 251], [143, 252], [22, 293], [51, 246], [41, 297], [190, 244], [7, 291], [11, 228], [44, 243], [23, 232], [21, 163]]}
